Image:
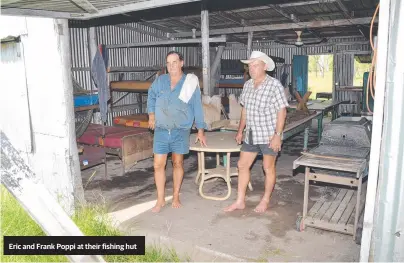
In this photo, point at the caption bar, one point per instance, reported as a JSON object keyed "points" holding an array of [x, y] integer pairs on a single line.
{"points": [[74, 245]]}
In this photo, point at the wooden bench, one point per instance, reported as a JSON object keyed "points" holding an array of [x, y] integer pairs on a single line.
{"points": [[341, 213]]}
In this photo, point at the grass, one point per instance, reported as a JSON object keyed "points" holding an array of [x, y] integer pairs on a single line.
{"points": [[319, 84], [92, 221], [325, 84]]}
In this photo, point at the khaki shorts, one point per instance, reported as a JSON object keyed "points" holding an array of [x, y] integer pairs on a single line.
{"points": [[264, 149]]}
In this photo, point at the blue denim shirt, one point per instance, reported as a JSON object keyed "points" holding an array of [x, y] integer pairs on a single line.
{"points": [[171, 112]]}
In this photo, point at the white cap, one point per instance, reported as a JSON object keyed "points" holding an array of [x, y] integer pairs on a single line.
{"points": [[258, 55]]}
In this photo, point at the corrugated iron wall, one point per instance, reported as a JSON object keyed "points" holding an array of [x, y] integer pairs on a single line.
{"points": [[121, 57], [343, 50], [192, 55]]}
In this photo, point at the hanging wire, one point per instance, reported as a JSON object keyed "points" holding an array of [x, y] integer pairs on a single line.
{"points": [[370, 87]]}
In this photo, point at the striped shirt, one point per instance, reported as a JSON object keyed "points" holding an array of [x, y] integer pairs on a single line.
{"points": [[262, 105]]}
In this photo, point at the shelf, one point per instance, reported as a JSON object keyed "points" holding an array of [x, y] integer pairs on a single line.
{"points": [[84, 108]]}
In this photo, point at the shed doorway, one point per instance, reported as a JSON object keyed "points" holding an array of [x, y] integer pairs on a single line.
{"points": [[320, 79]]}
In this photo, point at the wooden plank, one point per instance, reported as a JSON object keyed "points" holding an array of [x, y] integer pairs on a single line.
{"points": [[330, 212], [350, 209], [340, 228], [131, 85], [313, 211], [85, 108], [341, 180], [324, 208], [341, 208], [136, 148], [339, 165]]}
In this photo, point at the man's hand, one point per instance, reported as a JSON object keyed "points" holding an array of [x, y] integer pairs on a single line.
{"points": [[275, 142], [201, 138], [151, 121], [239, 137]]}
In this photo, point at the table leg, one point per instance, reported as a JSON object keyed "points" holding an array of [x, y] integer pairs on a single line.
{"points": [[217, 159], [333, 113], [306, 194], [320, 126], [198, 175], [224, 160], [306, 139], [357, 208], [226, 178]]}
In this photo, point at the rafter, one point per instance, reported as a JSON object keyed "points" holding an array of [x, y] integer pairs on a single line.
{"points": [[345, 11], [138, 30], [292, 17], [274, 27], [86, 6]]}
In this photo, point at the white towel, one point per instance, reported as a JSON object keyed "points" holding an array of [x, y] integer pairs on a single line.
{"points": [[190, 84]]}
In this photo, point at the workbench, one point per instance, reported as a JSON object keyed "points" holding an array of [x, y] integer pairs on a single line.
{"points": [[323, 107], [340, 213], [340, 160], [295, 124]]}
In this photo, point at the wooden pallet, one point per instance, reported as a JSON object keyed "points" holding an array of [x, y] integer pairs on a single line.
{"points": [[337, 214]]}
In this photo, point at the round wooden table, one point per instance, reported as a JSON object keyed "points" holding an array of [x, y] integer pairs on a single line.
{"points": [[217, 142]]}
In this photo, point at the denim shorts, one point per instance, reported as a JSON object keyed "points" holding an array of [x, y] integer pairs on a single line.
{"points": [[264, 149], [171, 141]]}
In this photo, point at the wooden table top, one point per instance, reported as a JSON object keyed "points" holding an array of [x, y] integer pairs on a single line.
{"points": [[217, 141], [317, 104]]}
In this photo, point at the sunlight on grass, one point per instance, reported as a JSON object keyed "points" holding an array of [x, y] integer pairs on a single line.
{"points": [[16, 222], [319, 83]]}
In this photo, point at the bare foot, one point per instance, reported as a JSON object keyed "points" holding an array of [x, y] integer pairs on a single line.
{"points": [[235, 206], [262, 206], [158, 206], [176, 203]]}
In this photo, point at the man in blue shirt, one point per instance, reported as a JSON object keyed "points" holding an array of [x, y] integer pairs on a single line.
{"points": [[171, 119]]}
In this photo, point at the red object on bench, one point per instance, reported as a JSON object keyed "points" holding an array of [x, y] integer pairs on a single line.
{"points": [[113, 135]]}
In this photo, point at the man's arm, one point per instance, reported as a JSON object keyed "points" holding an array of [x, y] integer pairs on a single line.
{"points": [[151, 103], [243, 119], [198, 111], [280, 121]]}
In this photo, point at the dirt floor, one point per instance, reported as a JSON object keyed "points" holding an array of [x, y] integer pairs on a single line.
{"points": [[201, 231]]}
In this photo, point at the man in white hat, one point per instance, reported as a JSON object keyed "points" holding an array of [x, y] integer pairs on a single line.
{"points": [[263, 115]]}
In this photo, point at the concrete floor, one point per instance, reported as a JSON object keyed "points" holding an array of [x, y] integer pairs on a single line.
{"points": [[200, 231]]}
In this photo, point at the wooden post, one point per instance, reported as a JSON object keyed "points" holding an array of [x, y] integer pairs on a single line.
{"points": [[205, 50], [249, 43], [35, 198], [215, 73]]}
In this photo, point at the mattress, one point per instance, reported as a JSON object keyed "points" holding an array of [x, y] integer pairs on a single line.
{"points": [[113, 135], [134, 120]]}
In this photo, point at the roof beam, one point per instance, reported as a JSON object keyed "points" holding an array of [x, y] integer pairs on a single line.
{"points": [[143, 5], [230, 17], [175, 42], [157, 26], [301, 3], [138, 30], [86, 6], [345, 11], [294, 18], [274, 27], [40, 13]]}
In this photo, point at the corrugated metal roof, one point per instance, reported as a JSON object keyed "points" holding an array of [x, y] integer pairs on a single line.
{"points": [[265, 14], [65, 6]]}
